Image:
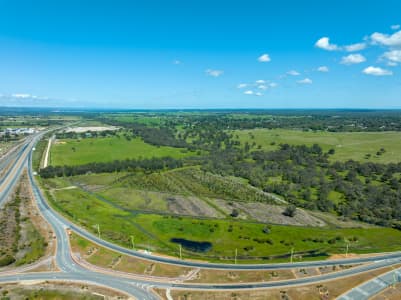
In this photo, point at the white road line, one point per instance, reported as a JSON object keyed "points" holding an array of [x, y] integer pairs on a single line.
{"points": [[361, 291], [381, 283]]}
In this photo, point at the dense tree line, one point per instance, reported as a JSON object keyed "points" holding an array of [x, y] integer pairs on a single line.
{"points": [[157, 136], [370, 192], [318, 120], [147, 165]]}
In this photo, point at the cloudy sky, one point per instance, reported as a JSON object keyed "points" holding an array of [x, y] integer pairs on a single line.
{"points": [[201, 54]]}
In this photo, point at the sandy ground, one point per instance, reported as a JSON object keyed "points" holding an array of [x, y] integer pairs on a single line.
{"points": [[268, 213], [324, 291], [66, 291], [192, 206], [90, 128]]}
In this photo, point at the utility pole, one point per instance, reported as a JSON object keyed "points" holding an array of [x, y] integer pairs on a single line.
{"points": [[236, 253], [180, 252], [98, 230], [394, 280], [133, 242], [346, 249], [292, 254]]}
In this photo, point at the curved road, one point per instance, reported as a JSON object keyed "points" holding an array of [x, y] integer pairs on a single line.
{"points": [[139, 288]]}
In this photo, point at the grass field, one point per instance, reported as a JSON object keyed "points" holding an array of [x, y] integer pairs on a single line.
{"points": [[347, 145], [151, 120], [153, 232], [78, 152]]}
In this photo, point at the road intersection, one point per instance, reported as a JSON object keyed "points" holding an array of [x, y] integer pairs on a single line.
{"points": [[141, 287]]}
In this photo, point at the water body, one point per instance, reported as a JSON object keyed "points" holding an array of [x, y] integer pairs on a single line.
{"points": [[193, 245]]}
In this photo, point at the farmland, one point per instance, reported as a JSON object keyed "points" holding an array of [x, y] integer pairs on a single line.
{"points": [[213, 182], [83, 151], [347, 145]]}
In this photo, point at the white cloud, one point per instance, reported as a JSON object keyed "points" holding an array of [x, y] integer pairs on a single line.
{"points": [[323, 69], [214, 73], [395, 27], [305, 81], [25, 99], [176, 62], [353, 59], [264, 58], [273, 84], [262, 87], [355, 47], [392, 40], [324, 43], [23, 96], [242, 85], [392, 64], [376, 71], [293, 73], [248, 92], [260, 81], [258, 94], [393, 55]]}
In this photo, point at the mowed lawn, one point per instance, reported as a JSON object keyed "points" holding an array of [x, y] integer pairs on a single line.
{"points": [[347, 145], [79, 152]]}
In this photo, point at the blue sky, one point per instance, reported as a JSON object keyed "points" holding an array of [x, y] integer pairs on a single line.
{"points": [[201, 54]]}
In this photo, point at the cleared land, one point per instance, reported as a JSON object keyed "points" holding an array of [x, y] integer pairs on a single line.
{"points": [[252, 240], [88, 150], [347, 145], [90, 128], [59, 291]]}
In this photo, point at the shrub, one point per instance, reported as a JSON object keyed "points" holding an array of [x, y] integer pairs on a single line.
{"points": [[290, 211], [6, 260]]}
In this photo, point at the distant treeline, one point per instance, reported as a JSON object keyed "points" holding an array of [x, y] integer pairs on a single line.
{"points": [[324, 120], [147, 165]]}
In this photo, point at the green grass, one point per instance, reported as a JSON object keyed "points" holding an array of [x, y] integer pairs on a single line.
{"points": [[78, 152], [154, 232], [347, 145], [38, 153], [152, 120], [36, 246], [48, 294], [191, 181], [136, 199]]}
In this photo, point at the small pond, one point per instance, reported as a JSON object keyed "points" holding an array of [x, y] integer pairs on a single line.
{"points": [[193, 245]]}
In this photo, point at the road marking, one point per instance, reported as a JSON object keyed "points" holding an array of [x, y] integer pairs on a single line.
{"points": [[359, 290], [381, 283]]}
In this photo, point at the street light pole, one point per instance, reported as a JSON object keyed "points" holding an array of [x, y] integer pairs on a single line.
{"points": [[292, 254], [98, 230], [133, 242], [236, 253]]}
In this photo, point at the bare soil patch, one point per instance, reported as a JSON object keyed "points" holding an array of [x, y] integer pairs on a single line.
{"points": [[269, 213], [191, 206]]}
